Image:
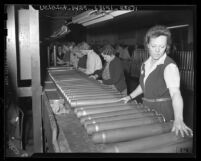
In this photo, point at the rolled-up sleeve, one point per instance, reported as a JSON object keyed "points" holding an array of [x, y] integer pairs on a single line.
{"points": [[172, 76]]}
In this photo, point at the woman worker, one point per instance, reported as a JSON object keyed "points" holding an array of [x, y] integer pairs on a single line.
{"points": [[93, 61], [112, 73], [160, 80]]}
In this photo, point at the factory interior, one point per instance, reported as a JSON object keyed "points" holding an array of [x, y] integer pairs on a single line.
{"points": [[36, 83]]}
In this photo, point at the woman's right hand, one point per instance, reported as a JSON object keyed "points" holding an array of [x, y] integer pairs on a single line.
{"points": [[125, 99]]}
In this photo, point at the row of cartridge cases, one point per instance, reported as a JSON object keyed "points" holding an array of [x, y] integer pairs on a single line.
{"points": [[129, 127], [84, 92], [136, 129]]}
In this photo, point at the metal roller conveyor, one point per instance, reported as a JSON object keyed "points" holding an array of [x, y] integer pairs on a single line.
{"points": [[85, 91], [75, 83], [55, 73], [120, 117], [92, 100], [86, 86], [96, 98], [92, 95], [82, 91], [139, 145], [91, 128], [73, 86], [103, 105], [81, 86], [138, 113], [131, 133], [61, 77], [68, 71], [103, 110], [76, 103], [64, 82], [94, 92], [82, 83]]}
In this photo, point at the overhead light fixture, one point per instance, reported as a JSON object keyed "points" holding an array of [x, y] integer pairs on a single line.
{"points": [[118, 13], [94, 16], [105, 18], [178, 26], [89, 18], [82, 16]]}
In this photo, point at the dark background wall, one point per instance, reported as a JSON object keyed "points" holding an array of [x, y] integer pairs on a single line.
{"points": [[131, 28]]}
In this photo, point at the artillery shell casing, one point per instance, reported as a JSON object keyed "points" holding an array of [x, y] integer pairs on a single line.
{"points": [[119, 117], [85, 102], [100, 105], [130, 133], [91, 128], [103, 110], [138, 112], [139, 145]]}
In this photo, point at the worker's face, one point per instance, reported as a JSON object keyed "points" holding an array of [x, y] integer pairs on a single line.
{"points": [[107, 58], [157, 47]]}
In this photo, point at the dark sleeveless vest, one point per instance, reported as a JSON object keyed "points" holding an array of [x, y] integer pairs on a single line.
{"points": [[155, 87]]}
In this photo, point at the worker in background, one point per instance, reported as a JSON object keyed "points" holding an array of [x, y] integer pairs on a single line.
{"points": [[60, 55], [112, 73], [123, 53], [93, 61], [64, 53]]}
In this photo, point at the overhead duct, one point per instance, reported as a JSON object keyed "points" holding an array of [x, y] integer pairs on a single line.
{"points": [[94, 16], [101, 19], [82, 16], [118, 13]]}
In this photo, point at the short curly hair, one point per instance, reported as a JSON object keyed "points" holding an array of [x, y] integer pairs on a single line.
{"points": [[84, 46], [157, 31], [108, 50]]}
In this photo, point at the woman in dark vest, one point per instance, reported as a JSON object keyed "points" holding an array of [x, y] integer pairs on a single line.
{"points": [[160, 80], [112, 74]]}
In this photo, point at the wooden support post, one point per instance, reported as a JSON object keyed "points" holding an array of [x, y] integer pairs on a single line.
{"points": [[35, 72]]}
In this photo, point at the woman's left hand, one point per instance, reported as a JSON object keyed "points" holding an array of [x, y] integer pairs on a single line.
{"points": [[180, 126]]}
